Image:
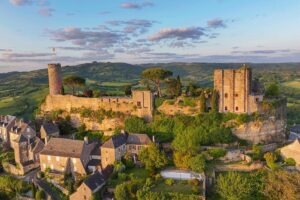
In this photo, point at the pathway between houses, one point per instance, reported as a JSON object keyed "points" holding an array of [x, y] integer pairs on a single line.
{"points": [[48, 190]]}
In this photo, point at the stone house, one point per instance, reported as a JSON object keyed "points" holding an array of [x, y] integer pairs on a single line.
{"points": [[6, 123], [67, 155], [49, 129], [90, 186], [118, 145]]}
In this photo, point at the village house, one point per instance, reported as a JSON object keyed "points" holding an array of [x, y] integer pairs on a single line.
{"points": [[6, 123], [67, 155], [49, 129], [118, 145], [90, 186]]}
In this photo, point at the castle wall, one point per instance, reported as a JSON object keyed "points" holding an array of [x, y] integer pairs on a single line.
{"points": [[55, 81], [141, 104]]}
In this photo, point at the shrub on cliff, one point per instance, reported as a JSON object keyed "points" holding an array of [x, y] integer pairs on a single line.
{"points": [[135, 124]]}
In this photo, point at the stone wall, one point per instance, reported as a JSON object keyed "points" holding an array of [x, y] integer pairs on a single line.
{"points": [[55, 81], [140, 104], [267, 131]]}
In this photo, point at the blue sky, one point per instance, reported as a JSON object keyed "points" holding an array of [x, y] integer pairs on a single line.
{"points": [[138, 31]]}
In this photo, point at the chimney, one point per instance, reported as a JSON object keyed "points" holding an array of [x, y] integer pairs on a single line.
{"points": [[86, 140], [153, 138]]}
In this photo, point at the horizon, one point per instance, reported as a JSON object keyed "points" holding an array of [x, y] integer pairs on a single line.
{"points": [[143, 32]]}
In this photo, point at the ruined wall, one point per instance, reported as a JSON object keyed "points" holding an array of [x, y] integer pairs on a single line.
{"points": [[271, 130], [140, 104]]}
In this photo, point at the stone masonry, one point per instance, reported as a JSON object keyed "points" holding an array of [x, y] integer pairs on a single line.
{"points": [[55, 81]]}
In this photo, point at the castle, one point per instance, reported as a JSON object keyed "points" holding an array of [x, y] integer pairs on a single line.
{"points": [[236, 91], [139, 104]]}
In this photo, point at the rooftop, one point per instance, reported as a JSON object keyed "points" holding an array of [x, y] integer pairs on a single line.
{"points": [[140, 139], [50, 127], [63, 147], [94, 181], [296, 128], [115, 141]]}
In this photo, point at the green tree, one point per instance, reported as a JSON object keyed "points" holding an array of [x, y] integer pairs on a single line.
{"points": [[178, 86], [271, 158], [135, 124], [128, 91], [233, 186], [272, 90], [40, 194], [171, 87], [121, 192], [73, 82], [198, 163], [202, 103], [257, 152], [153, 158], [156, 76], [214, 101]]}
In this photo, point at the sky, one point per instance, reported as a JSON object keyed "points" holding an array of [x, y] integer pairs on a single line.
{"points": [[36, 32]]}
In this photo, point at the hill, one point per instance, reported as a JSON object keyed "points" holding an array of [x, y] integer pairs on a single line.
{"points": [[22, 92]]}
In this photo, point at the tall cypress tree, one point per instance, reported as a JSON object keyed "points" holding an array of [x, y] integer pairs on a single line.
{"points": [[214, 101]]}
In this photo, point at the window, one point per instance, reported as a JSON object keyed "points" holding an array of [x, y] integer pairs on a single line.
{"points": [[237, 108], [257, 100], [139, 104], [49, 158], [51, 166], [226, 108], [57, 158], [74, 160], [236, 95], [226, 95], [44, 166]]}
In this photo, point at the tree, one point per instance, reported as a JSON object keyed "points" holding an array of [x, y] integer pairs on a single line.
{"points": [[88, 93], [135, 124], [40, 194], [202, 102], [152, 157], [257, 152], [272, 90], [282, 185], [198, 163], [156, 76], [178, 86], [171, 87], [121, 192], [128, 91], [271, 158], [214, 101], [233, 186], [73, 82]]}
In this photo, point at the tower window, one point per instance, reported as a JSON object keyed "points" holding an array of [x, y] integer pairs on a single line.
{"points": [[226, 108], [139, 104], [237, 108], [226, 95], [236, 95], [257, 100]]}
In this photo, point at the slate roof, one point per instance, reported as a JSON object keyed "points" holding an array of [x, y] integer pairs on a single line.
{"points": [[20, 139], [115, 141], [50, 128], [63, 147], [139, 139], [94, 181], [296, 128]]}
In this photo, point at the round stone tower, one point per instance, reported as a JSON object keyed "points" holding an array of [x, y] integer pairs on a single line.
{"points": [[54, 76]]}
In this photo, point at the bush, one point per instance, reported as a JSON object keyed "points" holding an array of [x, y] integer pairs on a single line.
{"points": [[158, 177], [169, 181], [135, 124], [196, 189], [40, 194], [217, 153], [194, 182], [289, 162], [122, 176]]}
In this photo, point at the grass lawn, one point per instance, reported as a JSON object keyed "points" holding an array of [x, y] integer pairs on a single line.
{"points": [[179, 186], [293, 84], [115, 84]]}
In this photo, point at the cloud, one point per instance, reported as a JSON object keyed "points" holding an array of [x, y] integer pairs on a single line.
{"points": [[5, 50], [268, 51], [69, 48], [25, 55], [92, 40], [193, 33], [133, 26], [137, 6], [46, 11], [20, 2], [216, 23]]}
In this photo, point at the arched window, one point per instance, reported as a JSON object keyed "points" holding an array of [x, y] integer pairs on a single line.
{"points": [[237, 108]]}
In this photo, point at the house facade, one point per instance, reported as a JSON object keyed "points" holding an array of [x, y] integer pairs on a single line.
{"points": [[66, 155], [117, 146], [49, 129]]}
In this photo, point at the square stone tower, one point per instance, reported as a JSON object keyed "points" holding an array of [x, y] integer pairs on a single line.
{"points": [[234, 87]]}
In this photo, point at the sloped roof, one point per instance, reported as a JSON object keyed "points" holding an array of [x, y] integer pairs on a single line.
{"points": [[20, 139], [296, 128], [292, 151], [139, 139], [94, 181], [115, 141], [50, 128], [63, 147]]}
